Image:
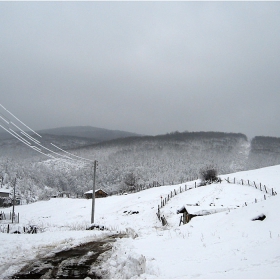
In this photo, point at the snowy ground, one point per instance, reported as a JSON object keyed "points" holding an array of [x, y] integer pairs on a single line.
{"points": [[227, 244]]}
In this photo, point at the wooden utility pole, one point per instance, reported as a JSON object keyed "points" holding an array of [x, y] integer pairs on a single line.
{"points": [[14, 199], [93, 192]]}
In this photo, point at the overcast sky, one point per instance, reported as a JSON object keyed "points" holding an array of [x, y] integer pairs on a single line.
{"points": [[144, 67]]}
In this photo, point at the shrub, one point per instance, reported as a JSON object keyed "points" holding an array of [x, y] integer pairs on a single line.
{"points": [[208, 174]]}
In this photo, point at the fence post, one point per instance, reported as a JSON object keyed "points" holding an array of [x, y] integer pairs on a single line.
{"points": [[255, 185], [272, 192], [163, 220], [8, 230], [264, 197], [248, 183], [234, 180], [256, 200], [265, 188], [195, 184], [242, 181], [261, 186]]}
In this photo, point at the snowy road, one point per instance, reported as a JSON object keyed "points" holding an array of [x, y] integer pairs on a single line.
{"points": [[75, 263]]}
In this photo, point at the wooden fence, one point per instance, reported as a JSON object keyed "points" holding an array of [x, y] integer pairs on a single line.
{"points": [[258, 186], [8, 221], [9, 217], [164, 200], [136, 188]]}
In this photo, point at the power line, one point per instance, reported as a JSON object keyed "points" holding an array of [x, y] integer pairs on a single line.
{"points": [[35, 141], [30, 138], [72, 154], [32, 147], [20, 120]]}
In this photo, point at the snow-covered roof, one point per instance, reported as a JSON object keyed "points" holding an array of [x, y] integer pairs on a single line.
{"points": [[2, 190], [95, 191]]}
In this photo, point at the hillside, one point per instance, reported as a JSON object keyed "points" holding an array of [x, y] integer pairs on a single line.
{"points": [[265, 151], [65, 137], [170, 158], [14, 149], [230, 244], [98, 134], [165, 159]]}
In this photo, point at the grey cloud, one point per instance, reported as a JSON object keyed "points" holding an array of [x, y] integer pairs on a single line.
{"points": [[146, 67]]}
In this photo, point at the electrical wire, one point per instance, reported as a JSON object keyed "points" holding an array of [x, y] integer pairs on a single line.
{"points": [[30, 138], [25, 142], [20, 120], [71, 154]]}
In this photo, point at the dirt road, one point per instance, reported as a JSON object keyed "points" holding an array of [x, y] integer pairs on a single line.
{"points": [[74, 263]]}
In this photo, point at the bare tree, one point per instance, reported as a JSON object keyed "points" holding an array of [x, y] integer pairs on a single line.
{"points": [[130, 179]]}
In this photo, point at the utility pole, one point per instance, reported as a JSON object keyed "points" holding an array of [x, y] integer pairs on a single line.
{"points": [[93, 192], [13, 213]]}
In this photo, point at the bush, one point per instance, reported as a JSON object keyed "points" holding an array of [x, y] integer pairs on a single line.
{"points": [[208, 174]]}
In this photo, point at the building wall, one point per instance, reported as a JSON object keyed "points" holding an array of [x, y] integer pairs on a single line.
{"points": [[98, 194], [4, 194]]}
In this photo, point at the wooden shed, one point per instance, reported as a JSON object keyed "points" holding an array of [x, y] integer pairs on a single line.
{"points": [[98, 194], [186, 215]]}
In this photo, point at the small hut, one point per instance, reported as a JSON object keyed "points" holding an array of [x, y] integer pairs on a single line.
{"points": [[186, 215], [98, 194]]}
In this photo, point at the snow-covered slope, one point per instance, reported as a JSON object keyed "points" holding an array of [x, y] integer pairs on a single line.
{"points": [[228, 244]]}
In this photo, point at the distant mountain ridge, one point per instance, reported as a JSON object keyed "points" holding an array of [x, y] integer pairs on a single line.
{"points": [[99, 134], [64, 137]]}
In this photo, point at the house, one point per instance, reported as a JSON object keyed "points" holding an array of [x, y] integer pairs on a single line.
{"points": [[5, 200], [98, 194], [4, 192]]}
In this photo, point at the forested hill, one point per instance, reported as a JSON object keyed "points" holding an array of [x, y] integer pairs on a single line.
{"points": [[174, 136], [64, 137], [168, 158], [265, 151], [96, 133]]}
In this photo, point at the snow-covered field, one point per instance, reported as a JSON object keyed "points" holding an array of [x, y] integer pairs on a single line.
{"points": [[227, 244]]}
